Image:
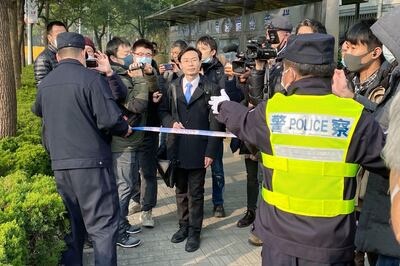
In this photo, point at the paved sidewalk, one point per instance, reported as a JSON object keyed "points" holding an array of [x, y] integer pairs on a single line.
{"points": [[222, 242]]}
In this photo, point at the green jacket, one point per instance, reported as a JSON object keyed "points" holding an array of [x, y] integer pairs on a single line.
{"points": [[136, 102]]}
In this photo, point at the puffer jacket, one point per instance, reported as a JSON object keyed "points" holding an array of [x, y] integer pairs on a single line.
{"points": [[45, 62]]}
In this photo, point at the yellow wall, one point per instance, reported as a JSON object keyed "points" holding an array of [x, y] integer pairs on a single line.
{"points": [[36, 51]]}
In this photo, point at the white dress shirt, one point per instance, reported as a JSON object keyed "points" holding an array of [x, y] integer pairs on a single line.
{"points": [[195, 84]]}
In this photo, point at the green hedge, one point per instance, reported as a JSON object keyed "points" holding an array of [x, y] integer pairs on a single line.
{"points": [[32, 215]]}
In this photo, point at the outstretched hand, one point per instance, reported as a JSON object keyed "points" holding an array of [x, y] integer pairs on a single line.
{"points": [[216, 100]]}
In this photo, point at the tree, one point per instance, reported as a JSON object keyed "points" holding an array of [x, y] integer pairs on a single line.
{"points": [[13, 15], [8, 100]]}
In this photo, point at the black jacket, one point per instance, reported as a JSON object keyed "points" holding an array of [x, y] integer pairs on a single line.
{"points": [[255, 83], [214, 71], [44, 63], [191, 150], [325, 240], [79, 116], [374, 232]]}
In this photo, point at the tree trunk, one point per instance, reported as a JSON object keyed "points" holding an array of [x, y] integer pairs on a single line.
{"points": [[98, 39], [8, 101], [12, 15], [46, 21], [99, 36], [21, 32]]}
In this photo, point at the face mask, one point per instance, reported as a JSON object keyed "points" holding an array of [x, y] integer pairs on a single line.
{"points": [[207, 60], [388, 55], [143, 60], [128, 60], [282, 82], [353, 62], [54, 43]]}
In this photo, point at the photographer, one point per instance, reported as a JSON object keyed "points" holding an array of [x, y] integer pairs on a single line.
{"points": [[145, 196], [258, 88], [125, 150], [171, 71]]}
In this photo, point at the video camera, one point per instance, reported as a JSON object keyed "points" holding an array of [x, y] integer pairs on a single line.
{"points": [[256, 49]]}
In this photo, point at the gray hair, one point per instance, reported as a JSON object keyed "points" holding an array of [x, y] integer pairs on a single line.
{"points": [[391, 151]]}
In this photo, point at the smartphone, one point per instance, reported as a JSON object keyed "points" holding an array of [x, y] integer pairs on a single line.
{"points": [[168, 66], [91, 63]]}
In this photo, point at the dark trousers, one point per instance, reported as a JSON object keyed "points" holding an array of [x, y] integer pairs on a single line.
{"points": [[273, 257], [190, 197], [146, 190], [253, 183], [91, 198], [126, 172], [218, 177]]}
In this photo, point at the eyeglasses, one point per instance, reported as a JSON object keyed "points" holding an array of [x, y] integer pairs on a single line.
{"points": [[143, 54]]}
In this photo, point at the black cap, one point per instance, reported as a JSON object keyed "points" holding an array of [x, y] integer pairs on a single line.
{"points": [[70, 39], [280, 23], [313, 49]]}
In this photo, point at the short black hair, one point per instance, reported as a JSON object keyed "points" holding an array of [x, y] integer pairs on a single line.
{"points": [[179, 43], [114, 43], [361, 33], [210, 41], [321, 71], [315, 25], [188, 49], [50, 25], [143, 43]]}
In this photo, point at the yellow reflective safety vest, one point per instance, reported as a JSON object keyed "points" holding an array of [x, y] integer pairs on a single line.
{"points": [[310, 138]]}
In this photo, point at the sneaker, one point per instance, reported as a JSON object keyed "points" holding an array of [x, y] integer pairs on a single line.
{"points": [[255, 241], [134, 207], [219, 211], [147, 219], [128, 241], [133, 229], [247, 220]]}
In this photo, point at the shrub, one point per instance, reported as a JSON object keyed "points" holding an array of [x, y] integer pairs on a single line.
{"points": [[32, 215], [33, 204], [33, 159], [13, 244]]}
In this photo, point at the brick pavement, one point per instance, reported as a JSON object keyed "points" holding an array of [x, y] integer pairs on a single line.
{"points": [[222, 242]]}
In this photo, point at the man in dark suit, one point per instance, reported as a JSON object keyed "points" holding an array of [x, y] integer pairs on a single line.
{"points": [[185, 106]]}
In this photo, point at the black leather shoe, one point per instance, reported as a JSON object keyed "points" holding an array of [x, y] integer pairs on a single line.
{"points": [[219, 211], [247, 220], [180, 235], [193, 242]]}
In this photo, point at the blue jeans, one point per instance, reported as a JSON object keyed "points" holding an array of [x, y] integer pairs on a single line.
{"points": [[218, 177], [387, 261], [126, 171]]}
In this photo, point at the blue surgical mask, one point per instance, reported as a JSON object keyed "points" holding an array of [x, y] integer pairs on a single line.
{"points": [[388, 55], [128, 60], [144, 60], [207, 60]]}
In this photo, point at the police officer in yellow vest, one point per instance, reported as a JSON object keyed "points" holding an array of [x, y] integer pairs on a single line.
{"points": [[312, 144]]}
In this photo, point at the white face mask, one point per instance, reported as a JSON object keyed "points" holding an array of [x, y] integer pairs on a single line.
{"points": [[282, 83], [387, 54]]}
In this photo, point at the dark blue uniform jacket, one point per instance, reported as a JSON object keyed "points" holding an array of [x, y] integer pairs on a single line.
{"points": [[79, 116]]}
